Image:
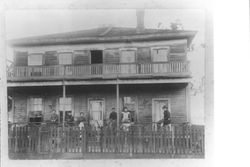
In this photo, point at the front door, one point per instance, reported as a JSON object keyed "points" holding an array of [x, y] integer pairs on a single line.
{"points": [[157, 111], [96, 109]]}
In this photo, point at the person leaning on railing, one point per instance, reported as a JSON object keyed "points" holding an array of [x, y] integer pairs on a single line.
{"points": [[82, 121], [166, 121], [54, 118], [166, 117], [69, 119]]}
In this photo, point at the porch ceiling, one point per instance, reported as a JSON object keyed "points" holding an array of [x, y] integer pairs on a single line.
{"points": [[98, 82]]}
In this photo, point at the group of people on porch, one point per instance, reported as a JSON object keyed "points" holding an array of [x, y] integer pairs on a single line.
{"points": [[125, 119]]}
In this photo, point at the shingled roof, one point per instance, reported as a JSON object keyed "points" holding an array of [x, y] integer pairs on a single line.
{"points": [[104, 34]]}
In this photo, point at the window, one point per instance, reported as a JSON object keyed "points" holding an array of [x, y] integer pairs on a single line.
{"points": [[51, 58], [36, 104], [68, 107], [160, 54], [35, 59], [65, 58], [127, 56], [35, 110], [67, 104]]}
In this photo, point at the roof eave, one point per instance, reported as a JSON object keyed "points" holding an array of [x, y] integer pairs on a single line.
{"points": [[189, 35]]}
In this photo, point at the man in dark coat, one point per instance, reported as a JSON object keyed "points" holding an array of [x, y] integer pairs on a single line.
{"points": [[69, 119], [113, 115], [113, 118], [166, 117]]}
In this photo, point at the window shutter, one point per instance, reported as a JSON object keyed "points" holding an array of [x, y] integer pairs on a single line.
{"points": [[143, 55], [81, 57], [111, 56], [35, 59], [127, 56], [178, 53], [21, 58], [51, 58]]}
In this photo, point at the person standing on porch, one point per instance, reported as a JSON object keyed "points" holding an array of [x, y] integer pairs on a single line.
{"points": [[82, 121], [166, 117], [126, 119], [54, 118], [69, 119], [113, 118]]}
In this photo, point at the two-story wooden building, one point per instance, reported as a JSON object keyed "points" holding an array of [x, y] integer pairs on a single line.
{"points": [[92, 71]]}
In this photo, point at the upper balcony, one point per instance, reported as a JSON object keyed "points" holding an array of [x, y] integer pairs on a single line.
{"points": [[101, 71]]}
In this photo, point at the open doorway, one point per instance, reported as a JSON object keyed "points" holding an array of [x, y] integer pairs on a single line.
{"points": [[96, 57], [157, 111], [96, 62]]}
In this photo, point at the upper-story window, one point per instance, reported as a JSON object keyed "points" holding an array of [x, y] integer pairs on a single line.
{"points": [[160, 54], [35, 59], [65, 58], [128, 55]]}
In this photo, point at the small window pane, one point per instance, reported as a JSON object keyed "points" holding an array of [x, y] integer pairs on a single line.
{"points": [[65, 58], [35, 60]]}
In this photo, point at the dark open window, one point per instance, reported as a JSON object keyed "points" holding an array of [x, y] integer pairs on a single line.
{"points": [[96, 57]]}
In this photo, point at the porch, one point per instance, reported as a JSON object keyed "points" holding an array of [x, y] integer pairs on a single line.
{"points": [[140, 141]]}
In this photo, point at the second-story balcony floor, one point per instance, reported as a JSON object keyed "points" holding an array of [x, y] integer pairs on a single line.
{"points": [[102, 71]]}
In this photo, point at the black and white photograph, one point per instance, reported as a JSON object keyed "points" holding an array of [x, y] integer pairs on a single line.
{"points": [[106, 83], [124, 83]]}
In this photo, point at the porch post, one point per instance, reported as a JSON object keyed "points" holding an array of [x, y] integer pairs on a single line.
{"points": [[117, 103], [64, 96], [13, 108]]}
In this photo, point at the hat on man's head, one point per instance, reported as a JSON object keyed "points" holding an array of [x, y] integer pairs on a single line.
{"points": [[164, 107]]}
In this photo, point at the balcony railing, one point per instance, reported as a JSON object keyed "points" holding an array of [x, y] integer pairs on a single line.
{"points": [[99, 70]]}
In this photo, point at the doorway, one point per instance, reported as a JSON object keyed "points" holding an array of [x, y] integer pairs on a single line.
{"points": [[96, 110], [96, 62], [157, 111]]}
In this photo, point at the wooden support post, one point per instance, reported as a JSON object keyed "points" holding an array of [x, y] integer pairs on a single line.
{"points": [[188, 103], [117, 104], [15, 139], [39, 140], [64, 96]]}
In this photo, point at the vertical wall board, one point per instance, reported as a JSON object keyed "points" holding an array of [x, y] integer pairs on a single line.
{"points": [[143, 55], [20, 108], [80, 105]]}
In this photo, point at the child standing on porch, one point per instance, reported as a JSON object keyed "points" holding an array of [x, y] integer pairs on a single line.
{"points": [[82, 121]]}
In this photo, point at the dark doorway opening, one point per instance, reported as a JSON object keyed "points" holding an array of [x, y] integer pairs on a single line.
{"points": [[96, 57]]}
